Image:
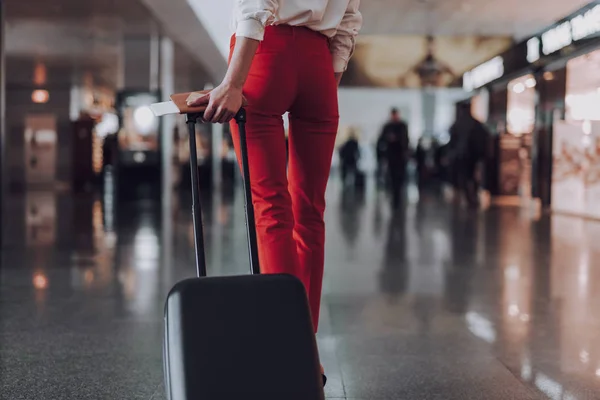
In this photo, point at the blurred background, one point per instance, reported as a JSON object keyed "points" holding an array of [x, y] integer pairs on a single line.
{"points": [[491, 250]]}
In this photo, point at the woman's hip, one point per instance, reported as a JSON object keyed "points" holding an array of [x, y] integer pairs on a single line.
{"points": [[290, 62]]}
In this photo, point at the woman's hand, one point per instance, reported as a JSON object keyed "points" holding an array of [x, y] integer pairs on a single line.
{"points": [[224, 102]]}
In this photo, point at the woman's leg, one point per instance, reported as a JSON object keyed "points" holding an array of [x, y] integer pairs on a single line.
{"points": [[270, 92], [313, 126]]}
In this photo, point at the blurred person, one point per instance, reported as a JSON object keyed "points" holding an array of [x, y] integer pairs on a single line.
{"points": [[110, 150], [288, 56], [394, 136], [469, 139], [439, 164], [442, 160], [380, 150], [436, 151], [421, 161], [349, 156]]}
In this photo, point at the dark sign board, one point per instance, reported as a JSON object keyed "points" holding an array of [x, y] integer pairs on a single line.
{"points": [[508, 63], [577, 31], [567, 35]]}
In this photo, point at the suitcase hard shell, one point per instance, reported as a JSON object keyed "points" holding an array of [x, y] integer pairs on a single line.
{"points": [[240, 337]]}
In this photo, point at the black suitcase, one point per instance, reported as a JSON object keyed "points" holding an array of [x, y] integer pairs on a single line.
{"points": [[241, 337]]}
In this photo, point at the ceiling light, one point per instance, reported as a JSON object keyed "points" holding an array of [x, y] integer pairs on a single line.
{"points": [[40, 281], [512, 272], [40, 75], [108, 125], [40, 96], [139, 157], [519, 88], [587, 127], [144, 120], [530, 83]]}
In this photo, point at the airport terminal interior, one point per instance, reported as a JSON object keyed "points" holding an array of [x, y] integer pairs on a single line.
{"points": [[463, 278]]}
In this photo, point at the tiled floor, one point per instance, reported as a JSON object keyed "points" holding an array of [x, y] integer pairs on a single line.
{"points": [[431, 302]]}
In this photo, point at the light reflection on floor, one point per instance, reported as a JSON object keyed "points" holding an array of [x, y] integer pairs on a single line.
{"points": [[514, 301]]}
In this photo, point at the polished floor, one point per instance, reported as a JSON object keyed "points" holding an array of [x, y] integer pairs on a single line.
{"points": [[430, 302]]}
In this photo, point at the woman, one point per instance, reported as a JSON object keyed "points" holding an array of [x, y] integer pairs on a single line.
{"points": [[288, 56]]}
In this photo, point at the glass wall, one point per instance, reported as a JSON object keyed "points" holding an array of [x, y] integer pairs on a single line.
{"points": [[2, 95], [576, 141], [520, 122], [521, 105]]}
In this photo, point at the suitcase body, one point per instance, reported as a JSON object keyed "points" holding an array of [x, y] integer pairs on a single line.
{"points": [[244, 337], [240, 337]]}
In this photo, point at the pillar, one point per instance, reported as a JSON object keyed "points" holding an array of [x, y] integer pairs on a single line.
{"points": [[167, 87], [140, 64], [2, 117], [428, 97]]}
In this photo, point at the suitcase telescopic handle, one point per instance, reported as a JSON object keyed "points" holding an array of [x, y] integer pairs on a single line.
{"points": [[240, 118]]}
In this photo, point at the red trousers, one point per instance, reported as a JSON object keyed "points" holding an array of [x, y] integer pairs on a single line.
{"points": [[292, 71]]}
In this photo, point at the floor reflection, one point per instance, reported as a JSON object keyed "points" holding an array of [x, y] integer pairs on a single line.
{"points": [[40, 219], [86, 267], [526, 287], [394, 272]]}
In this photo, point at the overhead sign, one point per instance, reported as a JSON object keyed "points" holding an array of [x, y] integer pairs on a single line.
{"points": [[557, 38], [564, 34], [483, 74], [533, 49], [586, 24]]}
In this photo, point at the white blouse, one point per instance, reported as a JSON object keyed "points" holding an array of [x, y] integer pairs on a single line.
{"points": [[340, 20]]}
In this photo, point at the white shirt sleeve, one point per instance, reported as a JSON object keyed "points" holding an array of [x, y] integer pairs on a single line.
{"points": [[253, 15], [343, 43]]}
